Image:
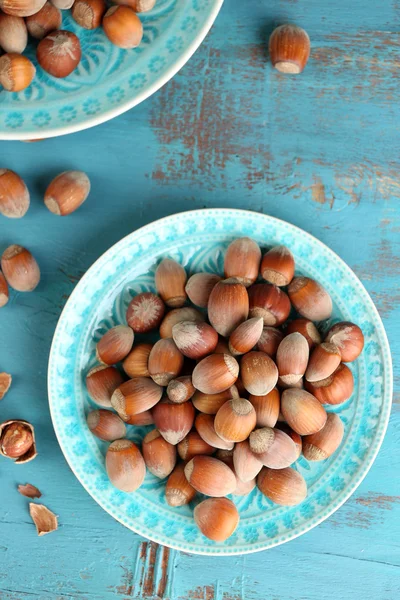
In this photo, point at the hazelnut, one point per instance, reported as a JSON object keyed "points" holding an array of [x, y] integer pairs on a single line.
{"points": [[125, 466], [324, 360], [115, 345], [101, 383], [170, 276], [292, 358], [348, 338], [136, 363], [194, 340], [181, 389], [269, 341], [145, 312], [135, 396], [269, 302], [273, 447], [44, 22], [302, 411], [335, 389], [324, 443], [68, 191], [14, 195], [289, 49], [235, 420], [310, 299], [211, 403], [307, 329], [174, 421], [210, 476], [177, 315], [20, 269], [285, 487], [88, 13], [217, 518], [293, 435], [267, 408], [247, 464], [106, 425], [192, 445], [59, 53], [165, 361], [258, 373], [204, 425], [4, 292], [16, 72], [21, 8], [124, 29], [215, 373], [242, 261], [178, 490], [159, 455], [228, 306], [13, 33], [200, 286], [277, 266], [245, 336], [144, 418]]}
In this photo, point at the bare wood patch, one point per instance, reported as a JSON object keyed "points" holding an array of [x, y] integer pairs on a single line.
{"points": [[381, 501]]}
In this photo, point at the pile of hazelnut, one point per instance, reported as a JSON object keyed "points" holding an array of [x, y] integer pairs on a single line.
{"points": [[59, 51], [224, 386]]}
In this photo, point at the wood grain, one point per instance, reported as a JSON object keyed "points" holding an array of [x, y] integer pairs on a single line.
{"points": [[320, 150]]}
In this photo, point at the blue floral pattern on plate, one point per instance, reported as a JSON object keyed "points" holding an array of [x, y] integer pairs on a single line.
{"points": [[108, 80], [198, 240]]}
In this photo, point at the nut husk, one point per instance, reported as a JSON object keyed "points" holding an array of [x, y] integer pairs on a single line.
{"points": [[45, 521], [30, 491], [5, 383], [17, 436]]}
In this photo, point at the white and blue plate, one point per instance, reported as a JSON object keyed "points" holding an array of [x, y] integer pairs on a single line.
{"points": [[198, 241], [108, 81]]}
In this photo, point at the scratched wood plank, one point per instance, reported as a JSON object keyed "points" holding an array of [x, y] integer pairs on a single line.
{"points": [[321, 151]]}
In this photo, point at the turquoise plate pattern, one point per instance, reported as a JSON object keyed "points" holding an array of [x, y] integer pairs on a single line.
{"points": [[108, 81], [198, 240]]}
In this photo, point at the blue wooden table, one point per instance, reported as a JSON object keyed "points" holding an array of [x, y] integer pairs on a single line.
{"points": [[320, 150]]}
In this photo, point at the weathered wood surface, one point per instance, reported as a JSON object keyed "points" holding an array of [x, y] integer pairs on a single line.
{"points": [[321, 151]]}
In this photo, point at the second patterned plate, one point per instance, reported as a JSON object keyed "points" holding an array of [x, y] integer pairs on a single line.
{"points": [[108, 81]]}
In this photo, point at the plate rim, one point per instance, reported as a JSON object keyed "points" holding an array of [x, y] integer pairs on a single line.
{"points": [[364, 468], [129, 104]]}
